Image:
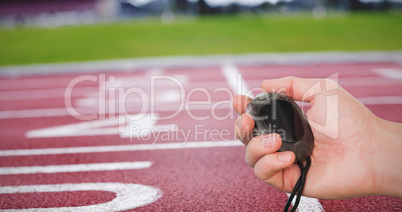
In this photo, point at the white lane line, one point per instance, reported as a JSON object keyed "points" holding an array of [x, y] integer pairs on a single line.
{"points": [[46, 93], [58, 112], [33, 83], [128, 196], [34, 113], [92, 100], [75, 168], [352, 82], [308, 204], [235, 80], [119, 148], [295, 58], [137, 126], [391, 73], [60, 92], [42, 93]]}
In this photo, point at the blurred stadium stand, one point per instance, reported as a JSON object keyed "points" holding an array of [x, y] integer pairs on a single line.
{"points": [[51, 13], [56, 12]]}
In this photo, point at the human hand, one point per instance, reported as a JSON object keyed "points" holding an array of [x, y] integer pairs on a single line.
{"points": [[349, 144]]}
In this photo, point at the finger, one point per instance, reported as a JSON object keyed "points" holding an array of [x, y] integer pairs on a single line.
{"points": [[269, 169], [243, 128], [240, 103], [260, 146], [296, 88]]}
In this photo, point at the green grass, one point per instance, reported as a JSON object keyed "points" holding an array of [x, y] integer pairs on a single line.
{"points": [[200, 36]]}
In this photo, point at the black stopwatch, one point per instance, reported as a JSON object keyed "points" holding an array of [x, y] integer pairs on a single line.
{"points": [[277, 113]]}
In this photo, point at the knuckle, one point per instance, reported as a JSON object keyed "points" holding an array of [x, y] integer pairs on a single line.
{"points": [[257, 173], [263, 170], [290, 78], [248, 161], [331, 82], [254, 146]]}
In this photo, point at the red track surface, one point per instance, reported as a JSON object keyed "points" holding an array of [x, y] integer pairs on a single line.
{"points": [[188, 179]]}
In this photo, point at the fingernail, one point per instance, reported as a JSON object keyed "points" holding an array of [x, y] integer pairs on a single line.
{"points": [[284, 157], [269, 141]]}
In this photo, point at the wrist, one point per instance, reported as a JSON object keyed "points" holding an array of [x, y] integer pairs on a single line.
{"points": [[386, 158]]}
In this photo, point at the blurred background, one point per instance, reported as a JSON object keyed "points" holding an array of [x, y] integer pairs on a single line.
{"points": [[357, 41], [43, 31]]}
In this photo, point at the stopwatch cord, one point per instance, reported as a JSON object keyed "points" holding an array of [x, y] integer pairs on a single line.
{"points": [[298, 189]]}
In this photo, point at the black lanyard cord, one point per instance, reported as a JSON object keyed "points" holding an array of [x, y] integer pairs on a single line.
{"points": [[299, 186]]}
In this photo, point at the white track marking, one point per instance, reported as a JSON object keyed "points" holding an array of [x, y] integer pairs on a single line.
{"points": [[202, 61], [308, 204], [41, 93], [168, 96], [34, 83], [144, 81], [235, 80], [390, 73], [119, 148], [87, 91], [122, 125], [122, 84], [75, 168], [34, 113], [58, 112], [60, 92], [128, 196], [352, 81]]}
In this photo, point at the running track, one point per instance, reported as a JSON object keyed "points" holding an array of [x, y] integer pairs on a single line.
{"points": [[175, 152]]}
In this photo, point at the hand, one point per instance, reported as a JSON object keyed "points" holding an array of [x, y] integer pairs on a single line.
{"points": [[353, 149]]}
